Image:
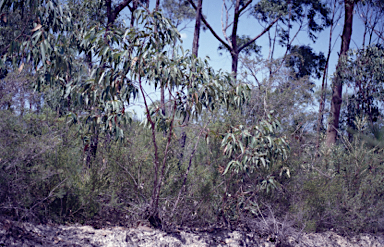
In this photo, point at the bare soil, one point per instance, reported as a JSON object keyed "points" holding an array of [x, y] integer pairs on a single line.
{"points": [[22, 234]]}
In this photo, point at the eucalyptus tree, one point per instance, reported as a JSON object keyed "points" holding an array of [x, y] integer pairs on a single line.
{"points": [[304, 62], [134, 58], [335, 17], [180, 11], [15, 23], [180, 14], [362, 71], [337, 85], [269, 14], [125, 60]]}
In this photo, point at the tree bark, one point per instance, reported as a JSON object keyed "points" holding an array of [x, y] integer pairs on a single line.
{"points": [[196, 35], [235, 50], [112, 14], [337, 86]]}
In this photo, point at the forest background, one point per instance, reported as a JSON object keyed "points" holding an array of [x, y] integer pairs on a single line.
{"points": [[289, 137]]}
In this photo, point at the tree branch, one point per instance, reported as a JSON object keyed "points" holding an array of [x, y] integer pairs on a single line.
{"points": [[188, 169], [210, 28], [117, 10], [224, 29], [258, 36], [245, 6]]}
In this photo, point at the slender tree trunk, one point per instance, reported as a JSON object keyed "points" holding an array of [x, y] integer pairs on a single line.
{"points": [[157, 5], [91, 148], [232, 46], [22, 99], [235, 50], [195, 52], [153, 217], [235, 62], [324, 81], [108, 4], [162, 100], [153, 214], [196, 35], [337, 86], [94, 142], [162, 90]]}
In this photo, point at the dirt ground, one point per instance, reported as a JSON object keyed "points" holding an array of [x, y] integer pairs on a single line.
{"points": [[27, 234]]}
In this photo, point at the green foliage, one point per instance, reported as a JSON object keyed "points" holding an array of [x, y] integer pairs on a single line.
{"points": [[304, 62], [31, 177], [342, 190], [361, 69], [250, 148], [88, 13], [178, 11], [314, 11]]}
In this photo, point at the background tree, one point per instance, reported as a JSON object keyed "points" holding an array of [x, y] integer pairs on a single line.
{"points": [[195, 50], [361, 70], [230, 43], [337, 85], [335, 17], [304, 62], [269, 14]]}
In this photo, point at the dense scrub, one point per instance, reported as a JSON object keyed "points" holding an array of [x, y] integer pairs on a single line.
{"points": [[45, 177]]}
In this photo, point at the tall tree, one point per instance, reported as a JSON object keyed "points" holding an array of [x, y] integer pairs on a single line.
{"points": [[230, 43], [334, 20], [268, 12], [196, 34], [337, 85]]}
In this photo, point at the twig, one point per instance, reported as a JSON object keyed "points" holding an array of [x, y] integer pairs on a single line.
{"points": [[49, 196], [188, 169]]}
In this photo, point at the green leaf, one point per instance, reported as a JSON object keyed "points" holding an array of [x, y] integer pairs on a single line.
{"points": [[263, 161], [42, 49]]}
